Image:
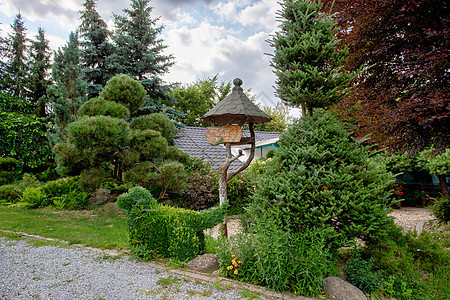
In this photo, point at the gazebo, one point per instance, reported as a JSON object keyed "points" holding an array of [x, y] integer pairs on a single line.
{"points": [[234, 111]]}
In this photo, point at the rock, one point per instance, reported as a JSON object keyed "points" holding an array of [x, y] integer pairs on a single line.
{"points": [[204, 263], [338, 289]]}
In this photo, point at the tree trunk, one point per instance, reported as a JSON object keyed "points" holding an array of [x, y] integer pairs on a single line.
{"points": [[443, 185]]}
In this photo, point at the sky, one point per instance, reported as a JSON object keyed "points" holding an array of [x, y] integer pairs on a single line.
{"points": [[227, 38]]}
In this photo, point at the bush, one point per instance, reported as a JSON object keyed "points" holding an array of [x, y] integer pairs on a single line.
{"points": [[157, 122], [441, 209], [91, 179], [9, 194], [163, 230], [320, 177], [360, 273], [199, 193], [34, 198], [99, 106], [274, 256], [9, 170]]}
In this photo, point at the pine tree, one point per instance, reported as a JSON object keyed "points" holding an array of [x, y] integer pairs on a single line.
{"points": [[16, 70], [306, 61], [69, 91], [39, 71], [95, 48], [138, 53]]}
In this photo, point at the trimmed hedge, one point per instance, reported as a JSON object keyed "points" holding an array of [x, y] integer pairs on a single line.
{"points": [[161, 230]]}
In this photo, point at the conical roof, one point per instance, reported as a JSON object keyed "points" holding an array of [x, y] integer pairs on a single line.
{"points": [[236, 108]]}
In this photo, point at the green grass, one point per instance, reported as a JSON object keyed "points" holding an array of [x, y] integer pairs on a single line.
{"points": [[104, 232]]}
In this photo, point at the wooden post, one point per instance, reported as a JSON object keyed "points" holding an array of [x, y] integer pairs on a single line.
{"points": [[225, 177]]}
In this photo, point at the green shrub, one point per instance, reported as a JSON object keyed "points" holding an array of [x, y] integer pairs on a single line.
{"points": [[134, 195], [157, 122], [92, 179], [74, 200], [62, 186], [9, 194], [441, 209], [274, 256], [124, 90], [321, 176], [34, 198], [199, 193], [99, 106], [360, 273], [166, 231], [9, 170]]}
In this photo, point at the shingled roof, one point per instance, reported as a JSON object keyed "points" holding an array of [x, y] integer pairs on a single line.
{"points": [[236, 108], [193, 141]]}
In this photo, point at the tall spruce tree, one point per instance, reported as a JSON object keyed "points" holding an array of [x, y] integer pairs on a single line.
{"points": [[306, 60], [68, 92], [95, 48], [138, 53], [39, 65], [3, 49], [16, 70]]}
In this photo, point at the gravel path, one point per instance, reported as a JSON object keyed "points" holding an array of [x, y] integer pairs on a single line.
{"points": [[55, 272]]}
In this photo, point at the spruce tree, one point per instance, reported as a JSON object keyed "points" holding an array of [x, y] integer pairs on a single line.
{"points": [[138, 53], [68, 92], [306, 60], [16, 71], [39, 65], [95, 48]]}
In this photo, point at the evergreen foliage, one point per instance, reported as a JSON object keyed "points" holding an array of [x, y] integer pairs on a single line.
{"points": [[99, 106], [95, 48], [138, 53], [321, 177], [39, 64], [125, 90], [158, 122], [307, 63], [68, 92]]}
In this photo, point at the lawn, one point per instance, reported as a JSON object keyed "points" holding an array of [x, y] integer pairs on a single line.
{"points": [[99, 231]]}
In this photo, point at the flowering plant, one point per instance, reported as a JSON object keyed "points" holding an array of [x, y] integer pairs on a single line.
{"points": [[233, 268], [398, 189]]}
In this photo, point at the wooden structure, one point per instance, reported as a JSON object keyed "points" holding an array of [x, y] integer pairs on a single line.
{"points": [[235, 109]]}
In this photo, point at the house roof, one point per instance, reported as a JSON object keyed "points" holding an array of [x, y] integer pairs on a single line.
{"points": [[192, 140]]}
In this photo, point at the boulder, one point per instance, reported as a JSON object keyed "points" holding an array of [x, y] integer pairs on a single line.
{"points": [[338, 289], [204, 263]]}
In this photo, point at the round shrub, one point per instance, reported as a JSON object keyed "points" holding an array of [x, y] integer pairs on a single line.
{"points": [[9, 170], [321, 177], [134, 195], [158, 122], [125, 90], [149, 144], [99, 106]]}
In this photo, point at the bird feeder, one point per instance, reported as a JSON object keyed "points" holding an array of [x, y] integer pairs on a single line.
{"points": [[233, 112]]}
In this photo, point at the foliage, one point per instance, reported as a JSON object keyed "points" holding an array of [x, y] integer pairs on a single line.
{"points": [[402, 98], [360, 273], [307, 63], [124, 90], [280, 118], [99, 106], [441, 209], [95, 48], [158, 122], [273, 255], [68, 92], [172, 177], [321, 177], [198, 193], [163, 230], [9, 170], [138, 52], [91, 179], [33, 198], [9, 194], [436, 164], [197, 98]]}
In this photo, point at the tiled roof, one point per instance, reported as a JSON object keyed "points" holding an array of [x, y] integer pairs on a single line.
{"points": [[193, 141]]}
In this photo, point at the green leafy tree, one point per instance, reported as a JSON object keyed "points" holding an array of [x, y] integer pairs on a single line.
{"points": [[321, 177], [95, 48], [437, 164], [307, 63], [16, 70], [39, 64], [280, 118], [138, 53], [68, 91]]}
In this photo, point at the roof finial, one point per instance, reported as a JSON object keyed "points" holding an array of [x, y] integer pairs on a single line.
{"points": [[237, 84]]}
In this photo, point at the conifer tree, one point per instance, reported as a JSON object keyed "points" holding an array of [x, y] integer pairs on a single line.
{"points": [[138, 53], [16, 71], [39, 65], [95, 48], [306, 61], [68, 92]]}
